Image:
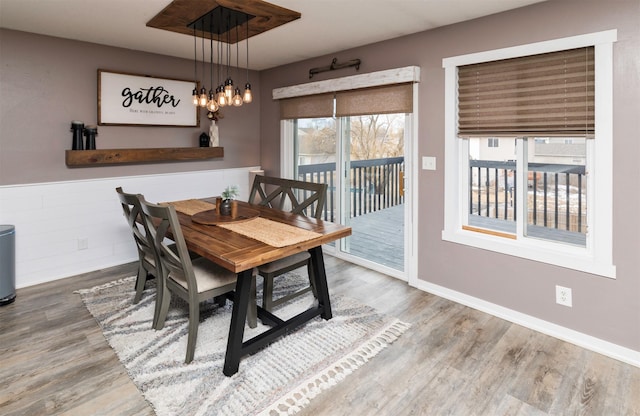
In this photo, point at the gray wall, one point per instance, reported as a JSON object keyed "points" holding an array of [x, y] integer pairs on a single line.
{"points": [[46, 82], [604, 308]]}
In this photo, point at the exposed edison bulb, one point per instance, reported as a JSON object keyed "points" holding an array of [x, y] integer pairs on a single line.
{"points": [[222, 98], [237, 98], [202, 102], [247, 97], [196, 97], [212, 104], [228, 89]]}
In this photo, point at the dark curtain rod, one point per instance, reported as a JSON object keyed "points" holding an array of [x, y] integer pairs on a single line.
{"points": [[335, 65]]}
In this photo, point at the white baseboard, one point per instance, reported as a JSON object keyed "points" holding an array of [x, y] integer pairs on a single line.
{"points": [[589, 342]]}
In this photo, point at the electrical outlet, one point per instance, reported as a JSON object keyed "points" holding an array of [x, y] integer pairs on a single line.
{"points": [[563, 296], [83, 243]]}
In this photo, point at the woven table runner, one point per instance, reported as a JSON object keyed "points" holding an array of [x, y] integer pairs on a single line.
{"points": [[191, 206], [273, 233]]}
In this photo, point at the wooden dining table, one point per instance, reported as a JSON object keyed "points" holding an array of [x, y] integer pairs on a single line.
{"points": [[242, 243]]}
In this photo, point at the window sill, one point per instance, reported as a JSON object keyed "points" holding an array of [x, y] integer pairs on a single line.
{"points": [[570, 257]]}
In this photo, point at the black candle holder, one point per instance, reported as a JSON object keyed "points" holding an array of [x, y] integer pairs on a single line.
{"points": [[90, 133], [77, 127]]}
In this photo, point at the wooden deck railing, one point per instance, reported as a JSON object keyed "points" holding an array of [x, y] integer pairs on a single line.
{"points": [[556, 197], [375, 184]]}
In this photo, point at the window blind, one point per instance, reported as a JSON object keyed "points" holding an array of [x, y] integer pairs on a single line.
{"points": [[543, 95], [309, 106], [387, 99]]}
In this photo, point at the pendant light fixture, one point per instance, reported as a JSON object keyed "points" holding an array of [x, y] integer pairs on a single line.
{"points": [[228, 84], [247, 97], [195, 67], [212, 103], [237, 98], [202, 101], [219, 24], [222, 98]]}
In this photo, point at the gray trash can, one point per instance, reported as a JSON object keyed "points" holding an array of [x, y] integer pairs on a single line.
{"points": [[7, 264]]}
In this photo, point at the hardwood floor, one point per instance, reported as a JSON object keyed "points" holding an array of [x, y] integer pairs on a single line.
{"points": [[453, 360]]}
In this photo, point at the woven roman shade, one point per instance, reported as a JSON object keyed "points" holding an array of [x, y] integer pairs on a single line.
{"points": [[387, 99], [545, 95], [308, 106]]}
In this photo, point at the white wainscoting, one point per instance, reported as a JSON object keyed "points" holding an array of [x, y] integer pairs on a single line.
{"points": [[52, 219]]}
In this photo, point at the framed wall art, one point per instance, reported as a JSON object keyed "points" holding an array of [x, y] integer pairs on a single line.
{"points": [[142, 100]]}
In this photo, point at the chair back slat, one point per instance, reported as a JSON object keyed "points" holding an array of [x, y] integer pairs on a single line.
{"points": [[132, 212], [298, 197], [164, 226]]}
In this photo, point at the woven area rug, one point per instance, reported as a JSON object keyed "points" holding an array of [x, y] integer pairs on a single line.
{"points": [[280, 379]]}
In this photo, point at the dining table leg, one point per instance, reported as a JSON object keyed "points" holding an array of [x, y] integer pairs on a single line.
{"points": [[238, 318], [322, 288], [236, 348]]}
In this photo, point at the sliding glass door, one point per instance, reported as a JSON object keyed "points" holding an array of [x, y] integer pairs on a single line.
{"points": [[362, 160]]}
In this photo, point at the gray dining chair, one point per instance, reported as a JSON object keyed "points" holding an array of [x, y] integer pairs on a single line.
{"points": [[298, 197], [146, 251], [194, 281], [147, 267]]}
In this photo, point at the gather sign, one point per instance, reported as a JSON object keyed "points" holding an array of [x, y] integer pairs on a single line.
{"points": [[129, 99]]}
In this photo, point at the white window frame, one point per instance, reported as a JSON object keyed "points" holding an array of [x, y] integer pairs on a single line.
{"points": [[597, 257]]}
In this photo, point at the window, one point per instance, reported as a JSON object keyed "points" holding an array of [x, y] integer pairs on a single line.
{"points": [[528, 163], [554, 193], [493, 142]]}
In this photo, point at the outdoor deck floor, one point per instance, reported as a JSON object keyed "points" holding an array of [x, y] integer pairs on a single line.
{"points": [[379, 237]]}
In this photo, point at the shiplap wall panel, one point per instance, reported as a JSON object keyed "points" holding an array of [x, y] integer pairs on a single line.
{"points": [[50, 218]]}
